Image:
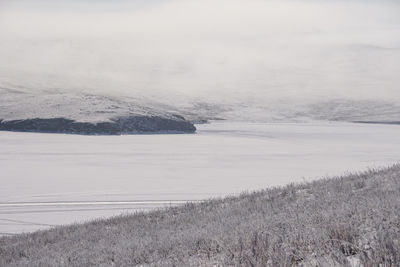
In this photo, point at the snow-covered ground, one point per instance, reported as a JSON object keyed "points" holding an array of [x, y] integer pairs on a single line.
{"points": [[52, 179]]}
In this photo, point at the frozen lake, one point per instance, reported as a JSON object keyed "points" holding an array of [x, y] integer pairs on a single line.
{"points": [[52, 179]]}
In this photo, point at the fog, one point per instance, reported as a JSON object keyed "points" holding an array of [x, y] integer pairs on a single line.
{"points": [[251, 51]]}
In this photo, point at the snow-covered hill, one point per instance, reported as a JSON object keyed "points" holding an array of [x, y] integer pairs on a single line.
{"points": [[57, 111], [290, 110], [85, 114]]}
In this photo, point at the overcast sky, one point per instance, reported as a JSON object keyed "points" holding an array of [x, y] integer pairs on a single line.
{"points": [[254, 50]]}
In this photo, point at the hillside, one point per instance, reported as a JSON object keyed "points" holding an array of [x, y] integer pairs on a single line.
{"points": [[79, 113], [25, 109], [298, 110], [350, 220]]}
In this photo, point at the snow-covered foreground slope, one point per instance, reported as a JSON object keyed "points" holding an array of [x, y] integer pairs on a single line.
{"points": [[51, 179]]}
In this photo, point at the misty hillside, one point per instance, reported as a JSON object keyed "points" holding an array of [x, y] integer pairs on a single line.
{"points": [[243, 60], [19, 103], [85, 114], [145, 66], [72, 112], [296, 110], [342, 221]]}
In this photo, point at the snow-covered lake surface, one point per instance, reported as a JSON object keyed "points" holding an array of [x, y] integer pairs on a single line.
{"points": [[53, 179]]}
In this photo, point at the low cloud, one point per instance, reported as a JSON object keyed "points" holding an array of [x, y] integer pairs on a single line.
{"points": [[218, 50]]}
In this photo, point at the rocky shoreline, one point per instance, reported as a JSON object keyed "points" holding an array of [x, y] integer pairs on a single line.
{"points": [[115, 126]]}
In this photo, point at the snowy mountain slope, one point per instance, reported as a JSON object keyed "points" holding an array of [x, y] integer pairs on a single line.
{"points": [[57, 111], [297, 111], [84, 113]]}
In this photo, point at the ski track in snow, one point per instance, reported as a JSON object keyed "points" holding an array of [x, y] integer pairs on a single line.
{"points": [[56, 179]]}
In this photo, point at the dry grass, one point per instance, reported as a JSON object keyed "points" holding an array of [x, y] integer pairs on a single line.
{"points": [[340, 221]]}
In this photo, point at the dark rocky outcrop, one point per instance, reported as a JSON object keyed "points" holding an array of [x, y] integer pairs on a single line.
{"points": [[116, 126]]}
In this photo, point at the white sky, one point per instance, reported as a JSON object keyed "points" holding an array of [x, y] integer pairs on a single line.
{"points": [[221, 50]]}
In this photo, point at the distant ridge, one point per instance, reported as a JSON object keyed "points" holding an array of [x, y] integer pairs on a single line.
{"points": [[81, 113]]}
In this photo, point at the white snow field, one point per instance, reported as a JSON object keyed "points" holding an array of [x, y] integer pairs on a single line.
{"points": [[53, 179]]}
